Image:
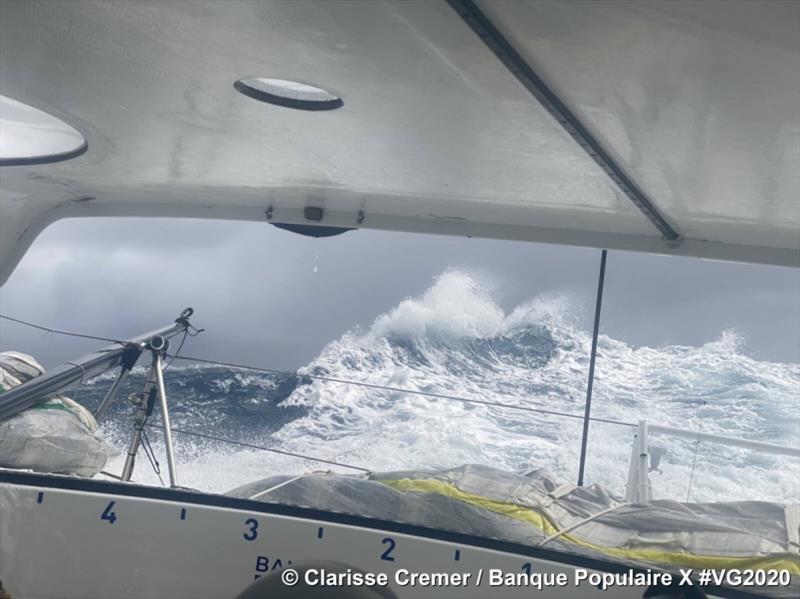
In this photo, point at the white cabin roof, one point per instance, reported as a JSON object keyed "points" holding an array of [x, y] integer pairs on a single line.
{"points": [[698, 102]]}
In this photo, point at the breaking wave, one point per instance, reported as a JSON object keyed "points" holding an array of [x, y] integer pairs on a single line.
{"points": [[455, 340]]}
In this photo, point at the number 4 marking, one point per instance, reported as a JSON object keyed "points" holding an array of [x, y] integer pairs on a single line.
{"points": [[108, 513]]}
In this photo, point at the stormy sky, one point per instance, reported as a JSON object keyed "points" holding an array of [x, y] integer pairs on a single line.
{"points": [[257, 293]]}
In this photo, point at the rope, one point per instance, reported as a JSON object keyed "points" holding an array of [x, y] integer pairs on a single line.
{"points": [[278, 486], [572, 527], [401, 390], [180, 347], [83, 370], [262, 448], [151, 456]]}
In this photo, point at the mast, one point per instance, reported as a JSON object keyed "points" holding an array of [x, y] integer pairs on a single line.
{"points": [[588, 409]]}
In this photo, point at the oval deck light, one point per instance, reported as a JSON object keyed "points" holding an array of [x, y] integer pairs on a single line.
{"points": [[288, 93], [31, 136]]}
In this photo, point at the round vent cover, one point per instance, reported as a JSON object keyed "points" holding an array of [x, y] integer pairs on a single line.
{"points": [[288, 93]]}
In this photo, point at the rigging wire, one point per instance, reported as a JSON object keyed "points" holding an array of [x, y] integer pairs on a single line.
{"points": [[431, 394], [194, 332], [53, 331], [261, 448], [402, 390]]}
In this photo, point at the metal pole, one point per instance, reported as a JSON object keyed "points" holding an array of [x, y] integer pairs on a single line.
{"points": [[632, 486], [724, 440], [645, 492], [162, 397], [129, 359], [143, 407], [588, 409], [112, 393]]}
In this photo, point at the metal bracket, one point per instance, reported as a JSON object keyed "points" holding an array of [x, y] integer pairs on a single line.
{"points": [[154, 388]]}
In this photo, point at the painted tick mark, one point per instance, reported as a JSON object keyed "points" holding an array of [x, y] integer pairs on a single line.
{"points": [[319, 532], [183, 513], [458, 555], [40, 497]]}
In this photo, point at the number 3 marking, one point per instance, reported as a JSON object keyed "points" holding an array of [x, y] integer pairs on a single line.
{"points": [[253, 534]]}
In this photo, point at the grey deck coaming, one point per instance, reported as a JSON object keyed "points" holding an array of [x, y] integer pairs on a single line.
{"points": [[49, 481]]}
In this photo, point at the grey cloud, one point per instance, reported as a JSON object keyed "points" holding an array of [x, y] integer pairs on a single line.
{"points": [[256, 291]]}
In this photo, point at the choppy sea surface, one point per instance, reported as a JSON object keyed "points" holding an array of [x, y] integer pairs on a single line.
{"points": [[455, 340]]}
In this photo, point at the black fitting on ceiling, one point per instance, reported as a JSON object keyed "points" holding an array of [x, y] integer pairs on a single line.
{"points": [[314, 213], [312, 230], [502, 48]]}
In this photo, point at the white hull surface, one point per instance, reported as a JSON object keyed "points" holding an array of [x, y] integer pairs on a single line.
{"points": [[66, 537]]}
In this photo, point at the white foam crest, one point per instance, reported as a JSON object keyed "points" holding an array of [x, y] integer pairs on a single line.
{"points": [[457, 305]]}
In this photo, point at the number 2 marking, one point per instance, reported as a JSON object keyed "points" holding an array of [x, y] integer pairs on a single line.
{"points": [[108, 514], [387, 555], [253, 534]]}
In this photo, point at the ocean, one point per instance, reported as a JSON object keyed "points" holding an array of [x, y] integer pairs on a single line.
{"points": [[455, 340]]}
